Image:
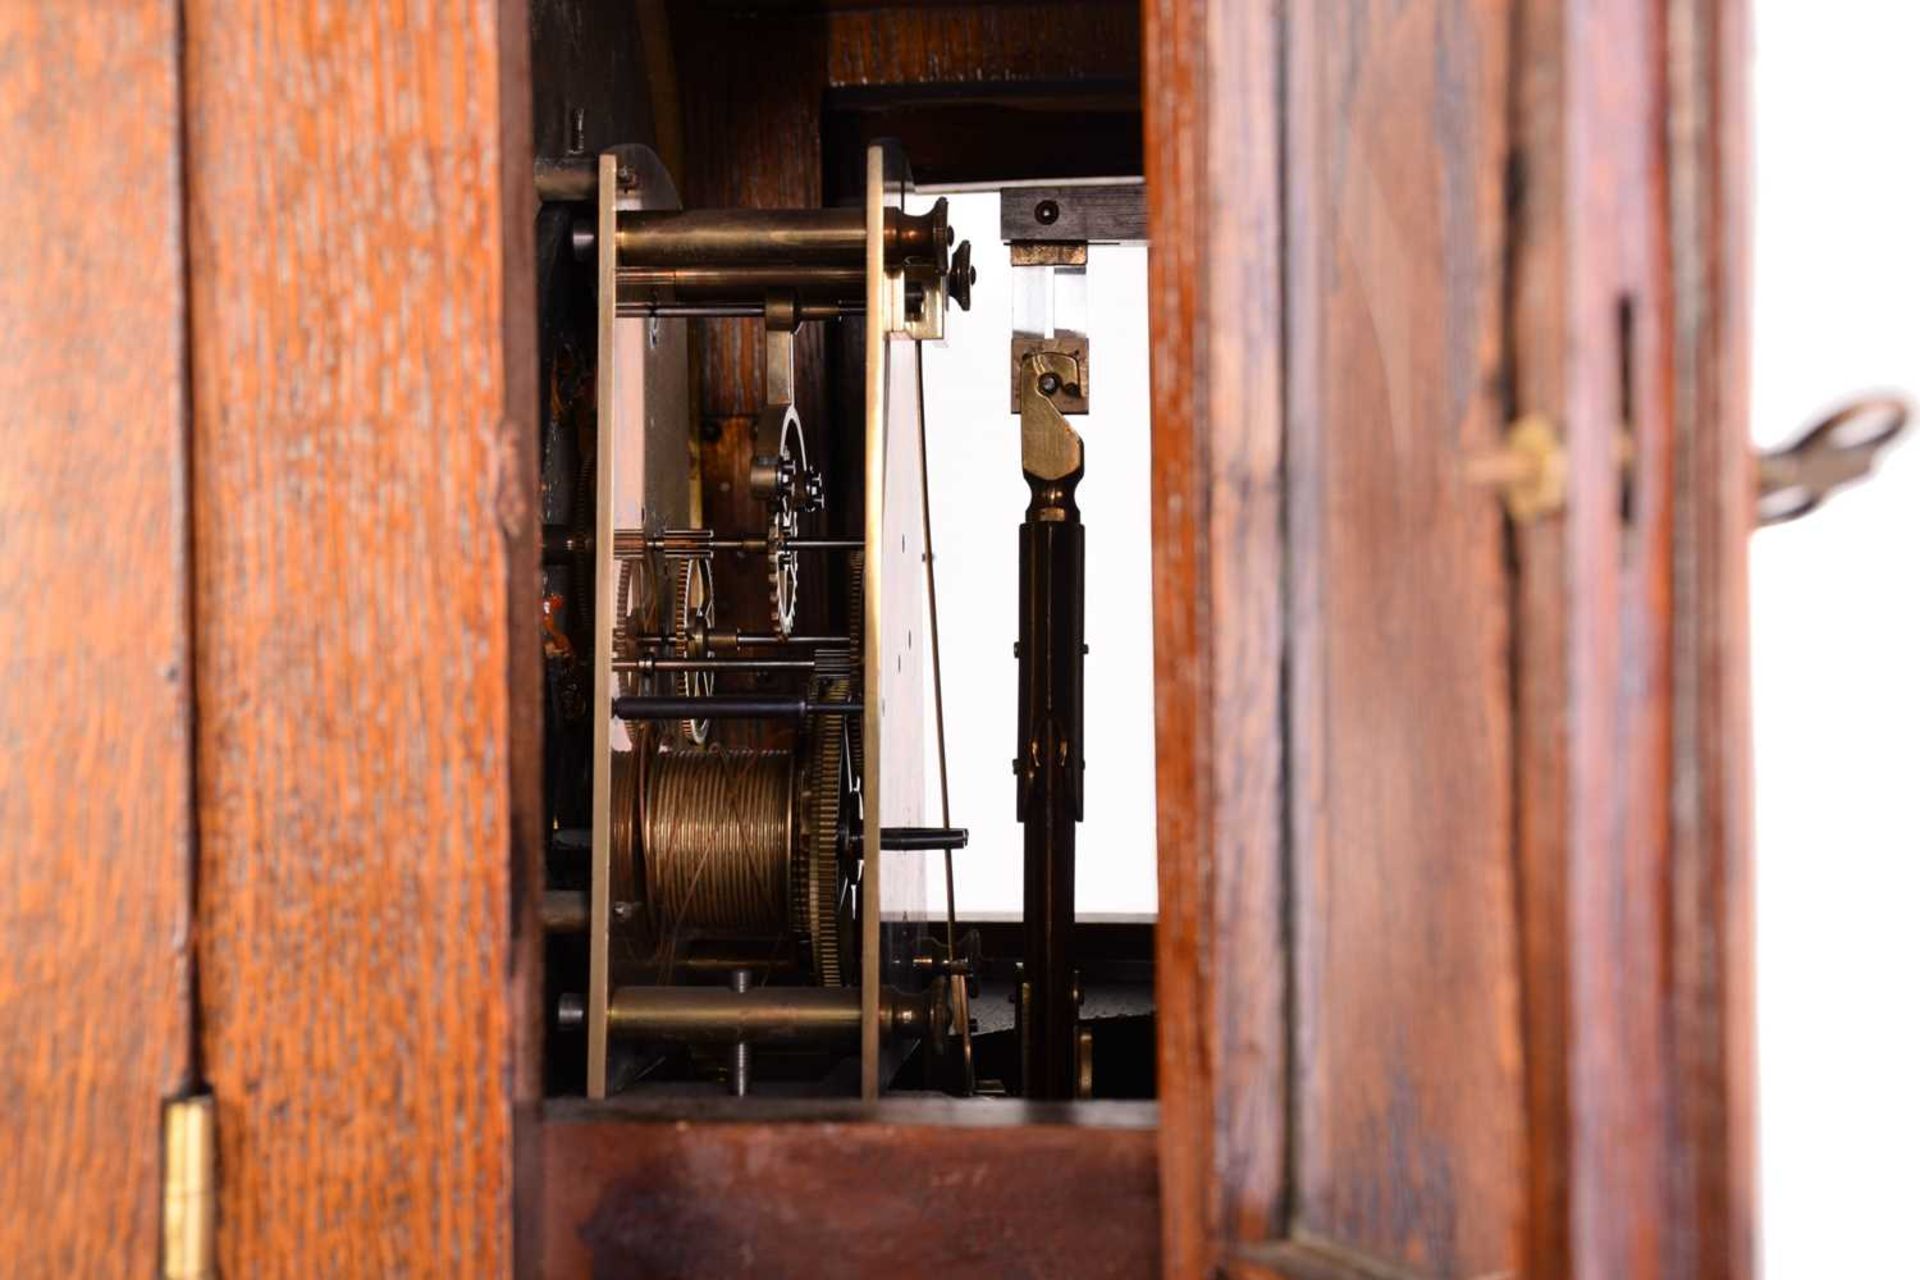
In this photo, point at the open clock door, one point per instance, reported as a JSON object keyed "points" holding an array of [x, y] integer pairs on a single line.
{"points": [[1454, 961]]}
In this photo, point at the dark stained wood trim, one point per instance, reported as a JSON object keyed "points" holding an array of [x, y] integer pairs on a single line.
{"points": [[95, 721], [520, 532], [1629, 316], [887, 1190], [1214, 189], [1533, 376], [1615, 328], [1182, 710], [362, 371], [1712, 944], [1589, 336]]}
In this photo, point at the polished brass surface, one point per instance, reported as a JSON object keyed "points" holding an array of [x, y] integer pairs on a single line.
{"points": [[1047, 253], [1073, 399], [761, 1015], [1049, 448], [604, 577], [707, 860], [779, 237], [188, 1213]]}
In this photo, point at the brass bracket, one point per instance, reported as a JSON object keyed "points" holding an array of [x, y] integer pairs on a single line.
{"points": [[1070, 399], [1049, 448]]}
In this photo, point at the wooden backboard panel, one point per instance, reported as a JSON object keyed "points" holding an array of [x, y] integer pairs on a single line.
{"points": [[95, 748], [360, 228]]}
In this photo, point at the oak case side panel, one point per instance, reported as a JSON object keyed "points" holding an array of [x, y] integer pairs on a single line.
{"points": [[360, 205], [95, 752]]}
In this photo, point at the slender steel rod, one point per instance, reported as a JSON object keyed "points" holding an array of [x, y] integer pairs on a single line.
{"points": [[728, 707], [751, 640], [933, 638], [624, 545], [715, 664]]}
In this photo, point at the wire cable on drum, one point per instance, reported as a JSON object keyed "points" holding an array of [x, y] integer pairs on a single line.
{"points": [[718, 839]]}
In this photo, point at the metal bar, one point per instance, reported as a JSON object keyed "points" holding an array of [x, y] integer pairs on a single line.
{"points": [[922, 839], [730, 640], [745, 282], [916, 839], [716, 664], [190, 1194], [878, 322], [760, 1015], [741, 707], [1100, 213], [721, 1015], [808, 310], [566, 179], [706, 237], [626, 545], [606, 375], [777, 237], [740, 981], [933, 638], [565, 911]]}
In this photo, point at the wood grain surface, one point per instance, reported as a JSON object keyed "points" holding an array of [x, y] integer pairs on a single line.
{"points": [[979, 44], [1534, 381], [95, 747], [1406, 1030], [1711, 991], [360, 196], [912, 1189], [1615, 332], [1519, 1015], [1214, 192]]}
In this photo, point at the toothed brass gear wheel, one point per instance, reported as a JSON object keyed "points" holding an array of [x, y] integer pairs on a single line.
{"points": [[692, 617], [827, 884], [857, 653], [783, 574], [781, 478]]}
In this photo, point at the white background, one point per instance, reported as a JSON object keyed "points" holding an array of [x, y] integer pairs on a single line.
{"points": [[979, 500], [1836, 645]]}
